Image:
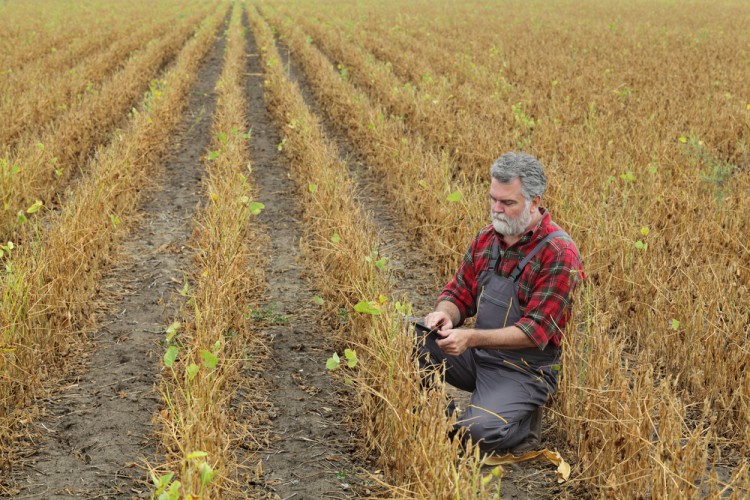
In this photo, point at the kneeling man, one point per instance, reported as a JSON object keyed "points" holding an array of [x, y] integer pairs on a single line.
{"points": [[517, 277]]}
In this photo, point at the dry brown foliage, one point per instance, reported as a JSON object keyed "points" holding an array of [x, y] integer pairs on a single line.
{"points": [[48, 284], [652, 388], [402, 422], [217, 338], [41, 166]]}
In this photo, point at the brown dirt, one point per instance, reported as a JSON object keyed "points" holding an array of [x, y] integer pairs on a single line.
{"points": [[97, 432], [415, 278], [310, 449]]}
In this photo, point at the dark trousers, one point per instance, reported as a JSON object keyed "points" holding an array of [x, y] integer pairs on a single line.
{"points": [[505, 391]]}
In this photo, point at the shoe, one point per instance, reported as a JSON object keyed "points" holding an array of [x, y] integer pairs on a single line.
{"points": [[534, 439]]}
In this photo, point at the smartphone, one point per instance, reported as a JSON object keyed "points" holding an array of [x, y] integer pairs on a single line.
{"points": [[421, 327]]}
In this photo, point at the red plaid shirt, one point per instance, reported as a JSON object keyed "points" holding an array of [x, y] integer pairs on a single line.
{"points": [[545, 287]]}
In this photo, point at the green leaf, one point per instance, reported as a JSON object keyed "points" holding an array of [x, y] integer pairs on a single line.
{"points": [[367, 308], [255, 207], [209, 359], [196, 454], [380, 264], [312, 187], [641, 245], [34, 207], [333, 362], [486, 479], [192, 371], [336, 238], [318, 300], [556, 368], [172, 330], [170, 356], [644, 231], [212, 155], [423, 183], [207, 473], [351, 357], [401, 308], [222, 137], [455, 196], [162, 481], [174, 491], [675, 324]]}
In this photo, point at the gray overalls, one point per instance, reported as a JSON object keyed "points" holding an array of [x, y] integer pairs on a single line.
{"points": [[508, 385]]}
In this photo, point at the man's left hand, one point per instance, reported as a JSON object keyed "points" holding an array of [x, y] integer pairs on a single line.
{"points": [[454, 342]]}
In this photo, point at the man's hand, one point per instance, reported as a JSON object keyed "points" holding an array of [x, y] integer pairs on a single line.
{"points": [[438, 320], [454, 342]]}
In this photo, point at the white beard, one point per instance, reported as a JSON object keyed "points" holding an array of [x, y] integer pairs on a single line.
{"points": [[507, 226]]}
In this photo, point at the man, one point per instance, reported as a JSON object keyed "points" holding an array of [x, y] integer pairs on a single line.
{"points": [[517, 277]]}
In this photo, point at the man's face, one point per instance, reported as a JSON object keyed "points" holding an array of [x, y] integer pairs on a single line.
{"points": [[511, 213]]}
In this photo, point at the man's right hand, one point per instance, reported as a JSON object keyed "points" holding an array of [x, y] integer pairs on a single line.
{"points": [[438, 320]]}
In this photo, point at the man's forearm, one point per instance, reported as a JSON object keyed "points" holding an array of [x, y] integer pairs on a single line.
{"points": [[510, 337]]}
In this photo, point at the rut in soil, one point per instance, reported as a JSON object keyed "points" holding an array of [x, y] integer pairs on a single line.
{"points": [[309, 453]]}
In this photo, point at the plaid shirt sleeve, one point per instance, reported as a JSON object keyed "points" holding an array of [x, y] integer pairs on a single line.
{"points": [[550, 299], [462, 288]]}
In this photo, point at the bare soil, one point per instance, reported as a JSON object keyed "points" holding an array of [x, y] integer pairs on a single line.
{"points": [[97, 433], [310, 450]]}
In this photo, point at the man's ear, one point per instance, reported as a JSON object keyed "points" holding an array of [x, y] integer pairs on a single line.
{"points": [[534, 206]]}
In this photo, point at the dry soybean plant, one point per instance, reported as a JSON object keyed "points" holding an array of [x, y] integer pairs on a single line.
{"points": [[206, 350], [654, 368], [47, 283], [399, 417]]}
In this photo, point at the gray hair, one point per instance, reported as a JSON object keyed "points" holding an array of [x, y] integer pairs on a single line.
{"points": [[524, 167]]}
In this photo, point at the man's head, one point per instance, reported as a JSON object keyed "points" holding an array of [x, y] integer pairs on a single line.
{"points": [[518, 183]]}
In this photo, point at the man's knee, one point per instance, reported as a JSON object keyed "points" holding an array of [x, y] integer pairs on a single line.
{"points": [[492, 432]]}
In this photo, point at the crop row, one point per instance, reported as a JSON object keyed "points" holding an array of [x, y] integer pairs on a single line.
{"points": [[47, 284], [28, 39], [402, 422], [596, 393], [206, 349], [41, 166], [631, 233], [49, 94], [616, 67], [44, 39]]}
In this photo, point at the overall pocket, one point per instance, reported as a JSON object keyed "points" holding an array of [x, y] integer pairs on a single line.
{"points": [[494, 312]]}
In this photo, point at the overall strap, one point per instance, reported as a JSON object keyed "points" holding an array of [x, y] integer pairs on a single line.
{"points": [[495, 254], [521, 265]]}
